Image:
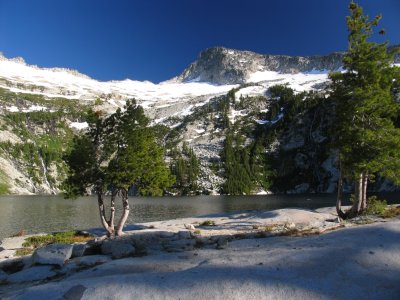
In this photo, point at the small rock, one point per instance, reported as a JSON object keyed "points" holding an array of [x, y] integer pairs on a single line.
{"points": [[32, 274], [54, 254], [290, 225], [78, 250], [190, 227]]}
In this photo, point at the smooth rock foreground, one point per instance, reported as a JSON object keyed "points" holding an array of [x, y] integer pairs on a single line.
{"points": [[225, 261]]}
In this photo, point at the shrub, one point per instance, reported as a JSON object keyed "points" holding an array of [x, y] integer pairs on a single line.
{"points": [[68, 237], [391, 212], [208, 223], [376, 206]]}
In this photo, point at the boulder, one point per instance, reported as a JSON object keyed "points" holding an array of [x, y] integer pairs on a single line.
{"points": [[32, 274], [53, 254], [118, 248], [78, 250]]}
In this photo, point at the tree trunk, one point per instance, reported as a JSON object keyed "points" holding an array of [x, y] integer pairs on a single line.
{"points": [[121, 223], [112, 209], [358, 195], [102, 212], [364, 193], [339, 211]]}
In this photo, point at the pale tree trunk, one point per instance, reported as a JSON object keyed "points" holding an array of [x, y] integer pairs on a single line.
{"points": [[356, 208], [359, 195], [112, 211], [339, 211], [125, 213], [102, 212], [360, 190], [364, 192]]}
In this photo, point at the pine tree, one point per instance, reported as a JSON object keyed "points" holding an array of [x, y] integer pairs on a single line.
{"points": [[365, 135], [117, 153]]}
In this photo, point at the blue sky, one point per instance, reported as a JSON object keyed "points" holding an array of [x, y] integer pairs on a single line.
{"points": [[156, 39]]}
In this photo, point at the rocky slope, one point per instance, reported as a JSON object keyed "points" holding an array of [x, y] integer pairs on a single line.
{"points": [[226, 66]]}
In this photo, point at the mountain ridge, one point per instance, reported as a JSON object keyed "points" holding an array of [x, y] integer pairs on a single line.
{"points": [[220, 65]]}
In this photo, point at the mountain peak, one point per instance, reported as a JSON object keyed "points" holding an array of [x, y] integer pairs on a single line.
{"points": [[219, 65]]}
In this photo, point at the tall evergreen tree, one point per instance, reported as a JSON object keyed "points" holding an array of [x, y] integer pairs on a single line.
{"points": [[117, 153], [365, 135]]}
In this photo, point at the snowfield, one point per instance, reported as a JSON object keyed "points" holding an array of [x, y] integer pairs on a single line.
{"points": [[72, 85], [17, 76]]}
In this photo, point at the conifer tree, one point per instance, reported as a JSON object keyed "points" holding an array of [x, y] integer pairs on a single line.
{"points": [[365, 135], [117, 153]]}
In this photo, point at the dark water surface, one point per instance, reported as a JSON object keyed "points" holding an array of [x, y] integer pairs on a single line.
{"points": [[36, 214]]}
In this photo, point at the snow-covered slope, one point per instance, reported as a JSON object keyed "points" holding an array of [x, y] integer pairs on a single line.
{"points": [[169, 98], [17, 76]]}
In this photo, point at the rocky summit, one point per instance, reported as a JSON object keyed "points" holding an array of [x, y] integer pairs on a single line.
{"points": [[221, 66]]}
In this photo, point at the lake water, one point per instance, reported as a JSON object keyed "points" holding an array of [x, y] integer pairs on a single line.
{"points": [[36, 214]]}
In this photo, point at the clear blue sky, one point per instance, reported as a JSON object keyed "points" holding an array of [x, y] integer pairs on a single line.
{"points": [[156, 39]]}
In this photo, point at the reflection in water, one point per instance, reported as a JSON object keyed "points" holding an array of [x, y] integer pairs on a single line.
{"points": [[53, 213]]}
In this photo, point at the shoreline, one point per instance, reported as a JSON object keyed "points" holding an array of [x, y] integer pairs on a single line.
{"points": [[178, 253]]}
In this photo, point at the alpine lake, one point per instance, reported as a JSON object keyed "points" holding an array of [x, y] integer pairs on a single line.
{"points": [[36, 214]]}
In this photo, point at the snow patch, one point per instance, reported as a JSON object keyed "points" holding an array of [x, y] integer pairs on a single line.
{"points": [[79, 125], [299, 82], [199, 130], [35, 108], [12, 108]]}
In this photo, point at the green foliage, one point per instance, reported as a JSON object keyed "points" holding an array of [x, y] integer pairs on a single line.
{"points": [[23, 251], [365, 134], [207, 223], [376, 206], [185, 167], [117, 152], [68, 237], [4, 185], [98, 101], [237, 167]]}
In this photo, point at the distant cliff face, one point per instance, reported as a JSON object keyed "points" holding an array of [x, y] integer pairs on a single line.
{"points": [[227, 66]]}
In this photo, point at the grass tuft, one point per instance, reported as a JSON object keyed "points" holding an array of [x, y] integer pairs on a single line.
{"points": [[208, 223], [68, 237]]}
